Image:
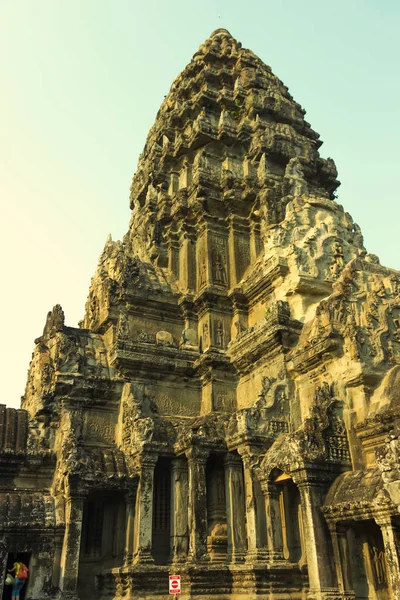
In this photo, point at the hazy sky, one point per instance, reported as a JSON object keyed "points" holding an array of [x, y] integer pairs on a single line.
{"points": [[82, 81]]}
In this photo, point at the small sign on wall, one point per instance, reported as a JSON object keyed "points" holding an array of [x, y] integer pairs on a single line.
{"points": [[174, 584]]}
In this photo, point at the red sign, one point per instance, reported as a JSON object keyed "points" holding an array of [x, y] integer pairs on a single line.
{"points": [[174, 584]]}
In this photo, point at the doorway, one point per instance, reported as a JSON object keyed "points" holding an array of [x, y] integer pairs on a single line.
{"points": [[24, 557], [161, 532]]}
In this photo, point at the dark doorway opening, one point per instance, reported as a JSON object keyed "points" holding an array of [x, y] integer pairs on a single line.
{"points": [[103, 538], [161, 538], [368, 561], [217, 541], [291, 519], [24, 557]]}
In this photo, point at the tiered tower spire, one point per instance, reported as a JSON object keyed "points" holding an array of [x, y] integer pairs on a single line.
{"points": [[228, 148], [239, 356]]}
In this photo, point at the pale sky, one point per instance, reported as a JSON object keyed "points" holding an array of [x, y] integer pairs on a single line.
{"points": [[82, 81]]}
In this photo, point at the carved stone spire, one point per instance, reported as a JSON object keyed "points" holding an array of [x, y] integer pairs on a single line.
{"points": [[239, 329], [230, 175], [219, 149]]}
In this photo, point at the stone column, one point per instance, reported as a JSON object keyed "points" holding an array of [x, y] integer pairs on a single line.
{"points": [[56, 572], [173, 257], [240, 314], [239, 248], [255, 241], [130, 500], [179, 510], [255, 549], [392, 553], [187, 261], [318, 550], [71, 545], [274, 521], [197, 509], [235, 508], [341, 557], [144, 510], [3, 565]]}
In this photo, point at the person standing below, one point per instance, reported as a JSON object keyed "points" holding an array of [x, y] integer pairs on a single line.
{"points": [[21, 575]]}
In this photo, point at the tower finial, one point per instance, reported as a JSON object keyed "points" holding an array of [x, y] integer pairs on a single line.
{"points": [[220, 31]]}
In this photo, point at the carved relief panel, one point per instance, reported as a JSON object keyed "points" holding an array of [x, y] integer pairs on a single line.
{"points": [[212, 261], [175, 401], [242, 255], [202, 262], [224, 400], [220, 334], [219, 262], [99, 426], [205, 340]]}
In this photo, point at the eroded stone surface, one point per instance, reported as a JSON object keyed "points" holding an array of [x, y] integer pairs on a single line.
{"points": [[229, 408]]}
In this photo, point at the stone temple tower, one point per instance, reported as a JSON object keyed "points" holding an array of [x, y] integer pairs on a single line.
{"points": [[228, 410]]}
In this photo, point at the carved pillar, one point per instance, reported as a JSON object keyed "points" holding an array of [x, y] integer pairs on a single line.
{"points": [[203, 274], [3, 565], [56, 572], [255, 548], [187, 261], [2, 424], [341, 557], [11, 429], [130, 500], [218, 257], [144, 511], [255, 241], [71, 545], [22, 430], [186, 304], [173, 257], [239, 248], [235, 508], [240, 314], [320, 568], [179, 509], [274, 521], [392, 553], [197, 508]]}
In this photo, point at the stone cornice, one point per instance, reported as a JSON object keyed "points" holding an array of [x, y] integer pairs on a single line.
{"points": [[156, 361], [264, 339], [210, 361], [317, 351], [378, 425], [158, 308], [359, 511], [212, 297], [264, 279]]}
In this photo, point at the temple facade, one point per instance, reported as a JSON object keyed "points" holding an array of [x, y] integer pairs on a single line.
{"points": [[229, 408]]}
